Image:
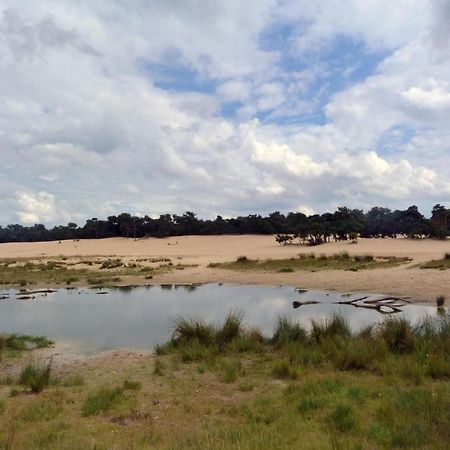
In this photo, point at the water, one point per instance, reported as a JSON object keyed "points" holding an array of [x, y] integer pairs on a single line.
{"points": [[140, 317]]}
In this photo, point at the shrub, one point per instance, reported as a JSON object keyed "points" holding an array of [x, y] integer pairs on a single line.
{"points": [[242, 259], [36, 376], [111, 264], [440, 301], [101, 401]]}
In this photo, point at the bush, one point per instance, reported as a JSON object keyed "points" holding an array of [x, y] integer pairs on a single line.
{"points": [[242, 259], [36, 376], [440, 301]]}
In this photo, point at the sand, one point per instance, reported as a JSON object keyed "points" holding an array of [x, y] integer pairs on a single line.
{"points": [[406, 280]]}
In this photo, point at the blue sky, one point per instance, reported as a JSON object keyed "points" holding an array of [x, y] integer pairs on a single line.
{"points": [[154, 107]]}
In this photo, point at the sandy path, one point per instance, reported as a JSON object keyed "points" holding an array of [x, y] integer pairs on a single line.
{"points": [[423, 285]]}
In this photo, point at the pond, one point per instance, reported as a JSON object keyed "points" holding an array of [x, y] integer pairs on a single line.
{"points": [[138, 318]]}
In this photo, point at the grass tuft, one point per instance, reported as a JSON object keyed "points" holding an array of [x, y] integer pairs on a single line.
{"points": [[101, 401], [36, 376], [287, 331]]}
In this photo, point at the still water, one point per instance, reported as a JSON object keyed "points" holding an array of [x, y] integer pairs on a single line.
{"points": [[140, 317]]}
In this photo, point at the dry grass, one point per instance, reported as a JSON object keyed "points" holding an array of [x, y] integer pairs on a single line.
{"points": [[312, 262], [78, 272]]}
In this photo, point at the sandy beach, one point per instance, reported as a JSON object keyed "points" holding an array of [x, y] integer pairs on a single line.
{"points": [[419, 284]]}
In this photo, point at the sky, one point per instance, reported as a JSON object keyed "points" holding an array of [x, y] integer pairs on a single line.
{"points": [[221, 107]]}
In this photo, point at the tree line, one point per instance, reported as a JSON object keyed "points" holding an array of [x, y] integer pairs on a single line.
{"points": [[343, 224]]}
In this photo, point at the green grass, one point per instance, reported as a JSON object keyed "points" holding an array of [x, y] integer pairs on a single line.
{"points": [[12, 345], [130, 385], [441, 264], [101, 401], [341, 261], [369, 389], [285, 370], [29, 272], [343, 418], [41, 410], [36, 376], [231, 369]]}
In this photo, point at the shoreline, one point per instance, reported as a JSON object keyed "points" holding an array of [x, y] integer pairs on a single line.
{"points": [[195, 253]]}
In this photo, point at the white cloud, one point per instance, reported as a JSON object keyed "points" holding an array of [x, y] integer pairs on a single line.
{"points": [[36, 208], [96, 110], [433, 98]]}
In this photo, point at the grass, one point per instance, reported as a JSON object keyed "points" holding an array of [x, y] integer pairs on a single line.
{"points": [[32, 272], [340, 261], [441, 264], [101, 401], [370, 389], [13, 344], [342, 418], [36, 376]]}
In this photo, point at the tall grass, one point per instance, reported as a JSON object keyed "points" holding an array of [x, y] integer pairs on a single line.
{"points": [[398, 334], [287, 331], [392, 347], [36, 376], [332, 328]]}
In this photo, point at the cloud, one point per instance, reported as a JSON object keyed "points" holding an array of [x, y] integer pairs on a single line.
{"points": [[160, 107], [36, 208]]}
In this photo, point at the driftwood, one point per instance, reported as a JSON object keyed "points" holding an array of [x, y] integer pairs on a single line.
{"points": [[385, 305], [296, 304]]}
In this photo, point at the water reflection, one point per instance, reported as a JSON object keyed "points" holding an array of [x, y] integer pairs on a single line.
{"points": [[140, 317]]}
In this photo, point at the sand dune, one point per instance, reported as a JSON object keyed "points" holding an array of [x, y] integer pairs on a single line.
{"points": [[423, 285]]}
